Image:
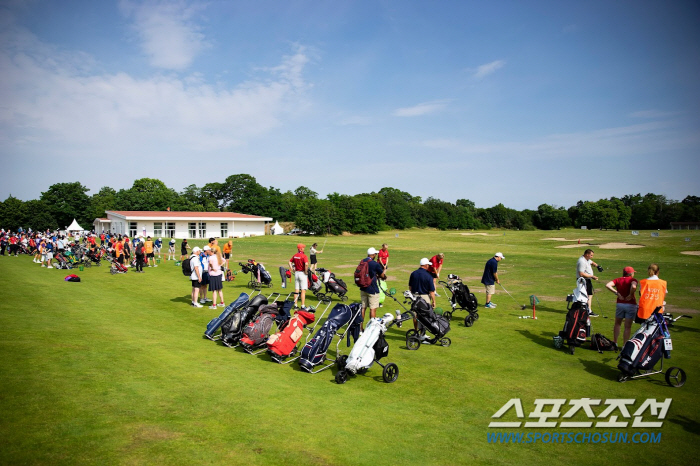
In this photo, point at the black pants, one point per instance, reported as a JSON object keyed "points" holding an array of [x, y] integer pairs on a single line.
{"points": [[139, 262]]}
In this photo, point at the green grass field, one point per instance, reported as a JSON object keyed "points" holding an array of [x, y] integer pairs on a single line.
{"points": [[114, 370]]}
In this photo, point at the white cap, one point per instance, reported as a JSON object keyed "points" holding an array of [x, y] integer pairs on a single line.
{"points": [[207, 248], [425, 261], [372, 251], [498, 254], [196, 249]]}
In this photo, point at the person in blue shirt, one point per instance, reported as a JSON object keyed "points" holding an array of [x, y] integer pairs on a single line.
{"points": [[370, 294], [490, 278], [421, 283], [158, 244]]}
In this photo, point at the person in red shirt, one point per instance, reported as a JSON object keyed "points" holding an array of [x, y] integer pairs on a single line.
{"points": [[626, 307], [300, 264], [383, 256], [436, 268]]}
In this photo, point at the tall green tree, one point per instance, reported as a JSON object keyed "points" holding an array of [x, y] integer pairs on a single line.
{"points": [[68, 201]]}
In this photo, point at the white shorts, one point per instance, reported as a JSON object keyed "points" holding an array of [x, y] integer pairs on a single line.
{"points": [[301, 281]]}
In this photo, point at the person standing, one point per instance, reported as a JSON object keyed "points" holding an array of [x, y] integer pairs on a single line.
{"points": [[150, 256], [171, 249], [157, 246], [490, 278], [140, 256], [196, 275], [227, 252], [48, 247], [204, 259], [314, 251], [119, 251], [626, 305], [436, 268], [584, 269], [369, 295], [183, 248], [652, 293], [127, 250], [299, 263], [383, 256], [421, 284], [216, 285]]}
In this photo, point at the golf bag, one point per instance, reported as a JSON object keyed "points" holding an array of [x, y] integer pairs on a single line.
{"points": [[283, 276], [283, 344], [62, 262], [333, 284], [462, 297], [371, 346], [315, 284], [232, 328], [257, 272], [577, 325], [216, 323], [644, 350], [314, 352], [116, 267], [257, 332], [433, 323]]}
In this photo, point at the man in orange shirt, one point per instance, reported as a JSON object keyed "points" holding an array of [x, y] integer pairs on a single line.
{"points": [[119, 251], [150, 256], [652, 293]]}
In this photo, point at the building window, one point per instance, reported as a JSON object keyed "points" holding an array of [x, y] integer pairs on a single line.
{"points": [[224, 229], [133, 229], [170, 229], [202, 230], [192, 228], [158, 229]]}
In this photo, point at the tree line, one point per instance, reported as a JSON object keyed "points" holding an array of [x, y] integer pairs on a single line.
{"points": [[389, 208]]}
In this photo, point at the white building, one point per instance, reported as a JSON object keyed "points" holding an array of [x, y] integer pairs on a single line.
{"points": [[180, 225]]}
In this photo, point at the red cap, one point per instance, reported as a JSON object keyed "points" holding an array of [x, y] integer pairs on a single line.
{"points": [[628, 270], [301, 246]]}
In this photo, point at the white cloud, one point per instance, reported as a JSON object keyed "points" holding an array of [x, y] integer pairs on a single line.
{"points": [[55, 102], [424, 108], [489, 68], [168, 36]]}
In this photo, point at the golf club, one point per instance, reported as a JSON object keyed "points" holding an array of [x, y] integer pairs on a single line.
{"points": [[600, 310], [522, 307]]}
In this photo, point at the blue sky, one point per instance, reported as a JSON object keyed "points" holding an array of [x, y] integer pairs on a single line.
{"points": [[513, 102]]}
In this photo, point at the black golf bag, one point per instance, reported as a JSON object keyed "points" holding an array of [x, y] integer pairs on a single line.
{"points": [[577, 326], [232, 328], [462, 297], [315, 283], [216, 323], [257, 331], [314, 352], [433, 323], [336, 285], [644, 350]]}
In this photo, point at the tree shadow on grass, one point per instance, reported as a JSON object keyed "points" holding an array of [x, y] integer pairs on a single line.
{"points": [[689, 425]]}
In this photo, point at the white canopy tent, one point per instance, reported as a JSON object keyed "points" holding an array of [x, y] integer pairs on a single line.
{"points": [[277, 229], [74, 227]]}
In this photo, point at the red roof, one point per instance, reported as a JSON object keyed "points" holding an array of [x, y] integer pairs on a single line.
{"points": [[170, 214]]}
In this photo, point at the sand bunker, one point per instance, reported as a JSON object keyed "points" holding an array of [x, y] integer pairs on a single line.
{"points": [[620, 246], [691, 253], [604, 246], [479, 234], [676, 311], [564, 239]]}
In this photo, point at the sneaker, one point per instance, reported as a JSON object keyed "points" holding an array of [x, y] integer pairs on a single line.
{"points": [[43, 265], [213, 306], [437, 295], [208, 300], [50, 267], [202, 301], [593, 314], [155, 265], [489, 305], [196, 305], [222, 304]]}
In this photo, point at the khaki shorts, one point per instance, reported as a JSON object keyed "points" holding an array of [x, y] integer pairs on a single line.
{"points": [[490, 289], [426, 297], [369, 301], [301, 281]]}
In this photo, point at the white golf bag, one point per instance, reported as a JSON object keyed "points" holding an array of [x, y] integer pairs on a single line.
{"points": [[362, 354]]}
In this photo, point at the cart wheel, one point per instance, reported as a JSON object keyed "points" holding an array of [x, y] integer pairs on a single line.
{"points": [[412, 343], [445, 342], [112, 271], [343, 298], [391, 373], [476, 316], [468, 321], [675, 377], [269, 285], [447, 315], [341, 377], [363, 370], [341, 361], [410, 334], [572, 349], [623, 378]]}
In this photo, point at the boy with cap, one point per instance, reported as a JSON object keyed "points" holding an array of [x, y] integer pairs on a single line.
{"points": [[370, 294], [299, 263], [626, 305], [490, 278]]}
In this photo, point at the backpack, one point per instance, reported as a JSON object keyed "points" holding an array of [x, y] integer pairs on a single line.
{"points": [[187, 267], [601, 343], [362, 278]]}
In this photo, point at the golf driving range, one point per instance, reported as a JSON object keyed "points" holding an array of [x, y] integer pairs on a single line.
{"points": [[114, 369]]}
